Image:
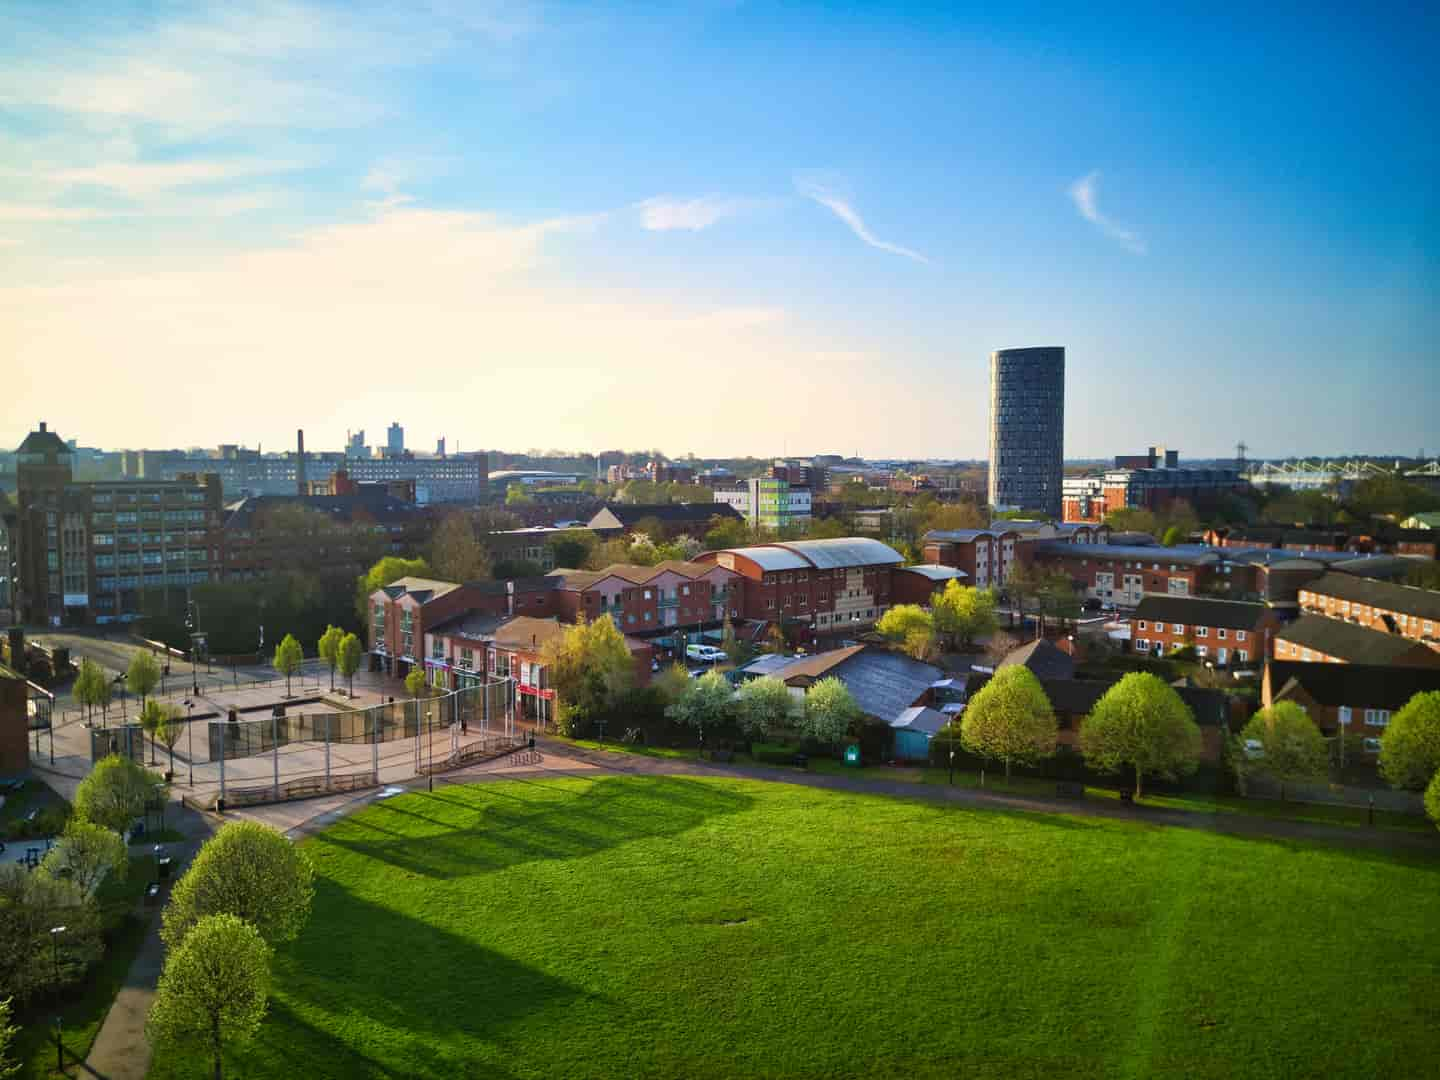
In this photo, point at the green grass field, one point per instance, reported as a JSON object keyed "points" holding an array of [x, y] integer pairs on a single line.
{"points": [[674, 926]]}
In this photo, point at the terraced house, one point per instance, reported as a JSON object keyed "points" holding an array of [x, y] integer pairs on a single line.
{"points": [[1320, 639], [1225, 632], [1378, 605]]}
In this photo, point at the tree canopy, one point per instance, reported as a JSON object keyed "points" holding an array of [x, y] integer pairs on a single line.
{"points": [[830, 710], [765, 705], [289, 656], [456, 554], [1142, 723], [1410, 745], [1432, 799], [385, 572], [1010, 719], [963, 613], [1292, 750], [589, 666], [113, 794], [708, 703], [910, 626], [348, 658], [213, 988], [328, 648], [249, 870], [86, 854], [143, 674]]}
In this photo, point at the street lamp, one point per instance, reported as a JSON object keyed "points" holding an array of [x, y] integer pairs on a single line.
{"points": [[55, 932], [430, 738], [952, 765], [190, 738]]}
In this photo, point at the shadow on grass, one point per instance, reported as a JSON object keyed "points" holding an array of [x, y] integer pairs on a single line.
{"points": [[367, 991], [464, 831]]}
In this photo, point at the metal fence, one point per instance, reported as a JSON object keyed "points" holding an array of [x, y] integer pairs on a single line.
{"points": [[303, 787], [485, 708], [1400, 802]]}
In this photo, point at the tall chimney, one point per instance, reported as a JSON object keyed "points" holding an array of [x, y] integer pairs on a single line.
{"points": [[300, 488]]}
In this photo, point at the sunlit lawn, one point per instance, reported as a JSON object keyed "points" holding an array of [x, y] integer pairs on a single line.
{"points": [[707, 927]]}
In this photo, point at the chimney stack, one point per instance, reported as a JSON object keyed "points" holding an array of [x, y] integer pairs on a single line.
{"points": [[300, 486]]}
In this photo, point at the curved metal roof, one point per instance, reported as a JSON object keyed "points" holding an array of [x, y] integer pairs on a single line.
{"points": [[844, 551], [769, 557], [935, 573]]}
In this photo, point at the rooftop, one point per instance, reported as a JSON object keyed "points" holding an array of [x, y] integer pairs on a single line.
{"points": [[1356, 644], [1409, 599], [1200, 611], [423, 589], [1042, 657], [1360, 686], [1186, 554]]}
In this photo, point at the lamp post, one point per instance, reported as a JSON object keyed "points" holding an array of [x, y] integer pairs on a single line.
{"points": [[430, 738], [952, 766], [190, 738], [55, 932], [59, 1046]]}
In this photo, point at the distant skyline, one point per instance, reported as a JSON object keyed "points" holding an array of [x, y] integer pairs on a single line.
{"points": [[728, 228]]}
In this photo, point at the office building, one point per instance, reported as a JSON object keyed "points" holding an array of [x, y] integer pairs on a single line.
{"points": [[768, 502], [1148, 481], [395, 439], [1027, 429]]}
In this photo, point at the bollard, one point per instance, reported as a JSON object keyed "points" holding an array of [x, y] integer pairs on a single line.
{"points": [[1371, 812]]}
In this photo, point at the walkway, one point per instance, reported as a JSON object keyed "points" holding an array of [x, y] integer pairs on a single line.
{"points": [[121, 1051]]}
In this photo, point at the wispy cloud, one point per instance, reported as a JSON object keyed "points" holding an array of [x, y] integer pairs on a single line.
{"points": [[29, 213], [664, 213], [1085, 194], [139, 179], [840, 206]]}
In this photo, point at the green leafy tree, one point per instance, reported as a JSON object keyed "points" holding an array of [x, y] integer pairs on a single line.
{"points": [[764, 705], [671, 682], [386, 571], [86, 689], [1010, 719], [1432, 799], [152, 719], [1172, 536], [912, 627], [249, 870], [86, 854], [212, 991], [455, 552], [1058, 598], [415, 682], [1292, 750], [572, 548], [172, 726], [963, 614], [329, 649], [1131, 519], [775, 640], [114, 793], [348, 660], [589, 666], [830, 710], [288, 658], [708, 703], [731, 645], [726, 532], [33, 963], [1142, 723], [8, 1065], [143, 674], [1410, 746]]}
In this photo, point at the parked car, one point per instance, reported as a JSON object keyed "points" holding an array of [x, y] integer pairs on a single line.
{"points": [[708, 653], [1091, 604]]}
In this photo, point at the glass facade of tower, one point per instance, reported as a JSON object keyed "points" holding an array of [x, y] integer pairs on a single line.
{"points": [[1027, 429]]}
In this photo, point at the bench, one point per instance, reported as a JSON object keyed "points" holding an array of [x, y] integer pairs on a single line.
{"points": [[1126, 795], [1070, 789], [800, 761], [31, 816]]}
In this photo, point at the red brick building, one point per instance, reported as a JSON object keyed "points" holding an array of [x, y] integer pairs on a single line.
{"points": [[1379, 605], [1225, 632], [1124, 574], [650, 599], [1360, 698], [1320, 639]]}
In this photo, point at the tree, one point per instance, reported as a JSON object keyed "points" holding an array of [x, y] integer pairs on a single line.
{"points": [[1432, 799], [33, 963], [249, 870], [348, 660], [142, 675], [1141, 722], [912, 627], [1010, 719], [1410, 746], [1000, 646], [456, 554], [963, 614], [764, 705], [1024, 582], [775, 640], [731, 645], [572, 548], [8, 1065], [670, 683], [152, 719], [965, 515], [589, 667], [329, 649], [85, 854], [726, 532], [1292, 749], [288, 658], [87, 688], [707, 703], [171, 728], [1058, 597], [1132, 519], [385, 572], [830, 710], [213, 988], [1172, 536], [114, 793], [415, 682]]}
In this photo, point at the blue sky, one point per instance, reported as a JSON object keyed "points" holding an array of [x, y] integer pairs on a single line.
{"points": [[720, 228]]}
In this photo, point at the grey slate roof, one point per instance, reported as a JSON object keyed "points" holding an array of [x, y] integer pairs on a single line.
{"points": [[1200, 611], [1408, 599], [884, 684], [920, 718], [1355, 644], [1360, 686], [1043, 658], [1186, 555]]}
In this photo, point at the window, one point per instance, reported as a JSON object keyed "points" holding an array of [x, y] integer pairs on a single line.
{"points": [[1344, 715], [1222, 633], [1142, 625], [1241, 656], [1377, 717], [1239, 635], [1304, 654], [1202, 631], [1372, 746], [1177, 628], [1202, 650], [1142, 645]]}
